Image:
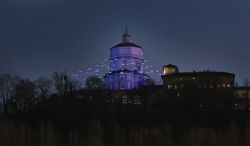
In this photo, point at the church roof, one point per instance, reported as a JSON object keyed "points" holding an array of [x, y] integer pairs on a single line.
{"points": [[204, 73], [170, 65], [126, 44]]}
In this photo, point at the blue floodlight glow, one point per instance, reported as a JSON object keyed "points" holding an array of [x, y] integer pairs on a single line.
{"points": [[126, 66]]}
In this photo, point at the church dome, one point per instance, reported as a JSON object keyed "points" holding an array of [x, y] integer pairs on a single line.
{"points": [[126, 66]]}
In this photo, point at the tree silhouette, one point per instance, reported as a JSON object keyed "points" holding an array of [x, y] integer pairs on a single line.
{"points": [[246, 82], [58, 82], [94, 82], [43, 86], [7, 86], [24, 95]]}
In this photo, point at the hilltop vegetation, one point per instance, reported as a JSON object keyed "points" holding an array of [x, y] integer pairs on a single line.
{"points": [[96, 117]]}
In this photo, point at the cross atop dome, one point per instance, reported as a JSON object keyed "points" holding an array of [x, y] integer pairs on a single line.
{"points": [[126, 36]]}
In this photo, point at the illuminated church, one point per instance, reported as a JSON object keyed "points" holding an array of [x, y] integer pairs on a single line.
{"points": [[126, 66]]}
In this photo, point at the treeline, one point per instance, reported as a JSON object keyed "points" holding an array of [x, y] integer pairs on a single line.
{"points": [[20, 94], [61, 97], [58, 111]]}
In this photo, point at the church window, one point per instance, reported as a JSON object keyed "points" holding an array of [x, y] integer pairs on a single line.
{"points": [[122, 84]]}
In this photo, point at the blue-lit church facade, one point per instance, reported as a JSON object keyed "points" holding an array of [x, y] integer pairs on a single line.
{"points": [[126, 66]]}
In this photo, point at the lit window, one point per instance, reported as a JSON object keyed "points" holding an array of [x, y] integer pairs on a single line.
{"points": [[165, 71]]}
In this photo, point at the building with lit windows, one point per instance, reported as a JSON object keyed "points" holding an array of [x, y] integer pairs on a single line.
{"points": [[242, 92], [173, 79], [126, 66]]}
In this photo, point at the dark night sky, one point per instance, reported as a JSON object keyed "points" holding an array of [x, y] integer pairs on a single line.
{"points": [[38, 37]]}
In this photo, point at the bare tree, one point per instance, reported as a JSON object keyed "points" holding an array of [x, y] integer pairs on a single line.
{"points": [[246, 82], [151, 81], [75, 84], [236, 84], [24, 95], [94, 82], [43, 86], [58, 82], [7, 86]]}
